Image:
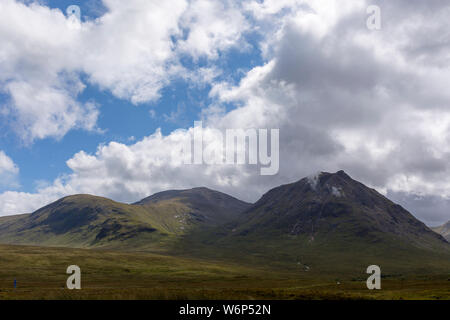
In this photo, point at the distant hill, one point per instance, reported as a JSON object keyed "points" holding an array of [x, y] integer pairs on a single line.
{"points": [[90, 221], [444, 230]]}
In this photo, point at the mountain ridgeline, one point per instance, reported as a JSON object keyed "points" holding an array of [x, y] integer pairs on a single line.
{"points": [[321, 218], [86, 221]]}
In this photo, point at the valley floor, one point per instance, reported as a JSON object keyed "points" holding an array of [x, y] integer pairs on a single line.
{"points": [[41, 274]]}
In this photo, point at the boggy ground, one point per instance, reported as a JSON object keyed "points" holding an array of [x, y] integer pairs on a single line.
{"points": [[41, 274]]}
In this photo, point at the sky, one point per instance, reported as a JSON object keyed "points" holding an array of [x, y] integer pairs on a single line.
{"points": [[101, 104]]}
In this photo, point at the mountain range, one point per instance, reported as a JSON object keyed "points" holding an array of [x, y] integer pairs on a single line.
{"points": [[87, 221], [324, 221]]}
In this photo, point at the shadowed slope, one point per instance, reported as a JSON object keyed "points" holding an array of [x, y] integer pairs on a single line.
{"points": [[81, 221], [334, 204]]}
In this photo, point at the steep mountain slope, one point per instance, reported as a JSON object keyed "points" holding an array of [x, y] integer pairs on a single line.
{"points": [[89, 221], [444, 230], [328, 222], [327, 204]]}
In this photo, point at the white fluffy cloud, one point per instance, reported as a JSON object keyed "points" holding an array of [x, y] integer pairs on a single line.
{"points": [[131, 172], [212, 26], [37, 74], [8, 171], [37, 112], [6, 164], [132, 50]]}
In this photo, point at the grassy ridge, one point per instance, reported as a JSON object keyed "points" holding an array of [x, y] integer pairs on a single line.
{"points": [[85, 221]]}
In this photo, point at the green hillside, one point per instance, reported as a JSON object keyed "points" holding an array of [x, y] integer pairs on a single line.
{"points": [[192, 208], [85, 221], [82, 221]]}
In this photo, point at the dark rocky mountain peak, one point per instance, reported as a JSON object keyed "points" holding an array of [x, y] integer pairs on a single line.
{"points": [[326, 204]]}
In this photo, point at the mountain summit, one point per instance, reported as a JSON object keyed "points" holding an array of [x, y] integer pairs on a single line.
{"points": [[205, 205], [328, 206]]}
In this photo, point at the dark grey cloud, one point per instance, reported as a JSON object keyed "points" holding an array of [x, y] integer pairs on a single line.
{"points": [[382, 92], [433, 210]]}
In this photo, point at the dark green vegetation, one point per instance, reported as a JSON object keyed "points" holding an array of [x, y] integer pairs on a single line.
{"points": [[40, 274], [297, 241], [444, 230]]}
